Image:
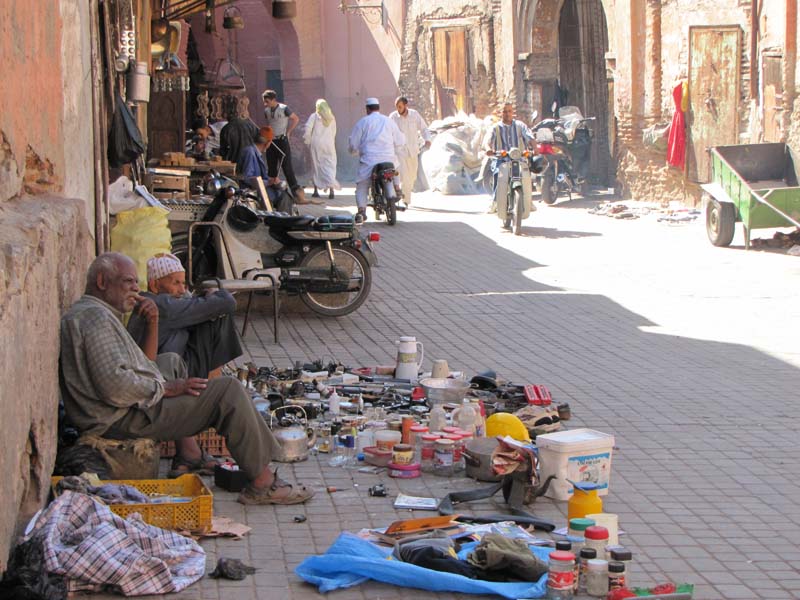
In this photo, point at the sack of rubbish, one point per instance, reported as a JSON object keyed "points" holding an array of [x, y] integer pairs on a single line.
{"points": [[454, 158]]}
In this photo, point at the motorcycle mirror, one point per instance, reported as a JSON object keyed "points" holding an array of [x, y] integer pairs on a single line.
{"points": [[554, 107]]}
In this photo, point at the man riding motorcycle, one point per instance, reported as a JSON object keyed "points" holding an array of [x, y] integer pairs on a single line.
{"points": [[503, 136], [375, 139]]}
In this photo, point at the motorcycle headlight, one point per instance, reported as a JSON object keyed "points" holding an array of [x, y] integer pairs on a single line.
{"points": [[515, 154]]}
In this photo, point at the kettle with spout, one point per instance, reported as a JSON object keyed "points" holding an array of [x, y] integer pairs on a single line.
{"points": [[410, 353]]}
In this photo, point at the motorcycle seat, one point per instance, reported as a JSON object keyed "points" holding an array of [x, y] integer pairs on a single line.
{"points": [[284, 221]]}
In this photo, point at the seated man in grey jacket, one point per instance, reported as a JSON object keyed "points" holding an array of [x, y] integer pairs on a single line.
{"points": [[111, 388], [198, 328]]}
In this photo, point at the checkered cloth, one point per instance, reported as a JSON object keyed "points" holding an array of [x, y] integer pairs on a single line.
{"points": [[104, 372], [93, 549]]}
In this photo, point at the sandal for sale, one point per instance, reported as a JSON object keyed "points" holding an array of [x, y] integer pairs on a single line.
{"points": [[202, 466]]}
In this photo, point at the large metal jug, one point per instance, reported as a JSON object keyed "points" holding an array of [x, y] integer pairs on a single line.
{"points": [[410, 353]]}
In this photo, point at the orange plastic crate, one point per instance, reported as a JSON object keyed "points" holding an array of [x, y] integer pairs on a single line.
{"points": [[194, 515], [209, 440]]}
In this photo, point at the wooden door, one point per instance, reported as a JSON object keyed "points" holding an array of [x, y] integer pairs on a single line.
{"points": [[772, 90], [166, 123], [450, 70], [714, 68]]}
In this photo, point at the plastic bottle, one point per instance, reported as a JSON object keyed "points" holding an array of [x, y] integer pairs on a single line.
{"points": [[467, 417], [597, 538], [584, 500], [333, 404], [566, 546], [437, 419]]}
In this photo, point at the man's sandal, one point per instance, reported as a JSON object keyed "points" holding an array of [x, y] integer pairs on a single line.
{"points": [[202, 466], [298, 493]]}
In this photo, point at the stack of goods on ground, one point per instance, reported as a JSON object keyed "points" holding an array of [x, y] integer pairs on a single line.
{"points": [[454, 159]]}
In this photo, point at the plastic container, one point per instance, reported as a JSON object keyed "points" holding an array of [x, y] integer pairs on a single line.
{"points": [[610, 522], [416, 440], [566, 546], [561, 575], [578, 454], [586, 555], [623, 555], [584, 500], [376, 457], [427, 449], [616, 575], [437, 419], [410, 471], [385, 439], [192, 515], [597, 538], [597, 578], [443, 454], [402, 454], [466, 416]]}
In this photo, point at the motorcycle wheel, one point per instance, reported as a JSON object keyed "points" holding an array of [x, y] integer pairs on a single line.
{"points": [[518, 211], [391, 212], [350, 264], [549, 187], [202, 269]]}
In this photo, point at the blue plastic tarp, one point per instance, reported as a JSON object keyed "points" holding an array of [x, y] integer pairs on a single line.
{"points": [[351, 560]]}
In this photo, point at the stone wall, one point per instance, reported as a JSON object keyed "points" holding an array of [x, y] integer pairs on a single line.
{"points": [[484, 44], [45, 244]]}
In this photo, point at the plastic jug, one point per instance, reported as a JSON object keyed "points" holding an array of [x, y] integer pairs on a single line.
{"points": [[409, 358], [466, 417], [584, 500], [437, 419]]}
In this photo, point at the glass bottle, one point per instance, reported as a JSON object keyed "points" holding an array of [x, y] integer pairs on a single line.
{"points": [[586, 555], [427, 450], [597, 578]]}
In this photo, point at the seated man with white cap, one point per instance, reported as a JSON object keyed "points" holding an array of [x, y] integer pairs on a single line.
{"points": [[199, 329], [375, 139]]}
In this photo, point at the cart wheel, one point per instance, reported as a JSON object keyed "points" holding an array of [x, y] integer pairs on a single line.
{"points": [[720, 222]]}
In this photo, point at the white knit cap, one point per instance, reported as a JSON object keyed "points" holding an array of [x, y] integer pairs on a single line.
{"points": [[162, 265], [372, 101]]}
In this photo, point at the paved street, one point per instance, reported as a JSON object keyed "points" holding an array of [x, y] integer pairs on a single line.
{"points": [[687, 353]]}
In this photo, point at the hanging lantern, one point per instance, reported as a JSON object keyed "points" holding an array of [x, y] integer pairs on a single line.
{"points": [[232, 18], [284, 9]]}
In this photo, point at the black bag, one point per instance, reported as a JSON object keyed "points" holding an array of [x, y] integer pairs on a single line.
{"points": [[125, 142]]}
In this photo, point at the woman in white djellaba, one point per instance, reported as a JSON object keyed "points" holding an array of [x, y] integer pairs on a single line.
{"points": [[320, 136]]}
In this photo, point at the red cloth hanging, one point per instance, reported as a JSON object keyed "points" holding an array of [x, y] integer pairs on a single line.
{"points": [[676, 144]]}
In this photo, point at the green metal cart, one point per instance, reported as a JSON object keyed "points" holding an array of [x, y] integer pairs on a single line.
{"points": [[756, 184]]}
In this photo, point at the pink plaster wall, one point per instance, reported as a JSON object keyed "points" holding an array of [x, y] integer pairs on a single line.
{"points": [[31, 108]]}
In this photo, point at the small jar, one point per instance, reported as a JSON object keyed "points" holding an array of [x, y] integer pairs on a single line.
{"points": [[575, 533], [586, 555], [443, 457], [427, 448], [458, 450], [561, 575], [597, 538], [616, 575], [416, 440], [597, 578], [566, 546], [402, 454], [450, 429], [623, 555]]}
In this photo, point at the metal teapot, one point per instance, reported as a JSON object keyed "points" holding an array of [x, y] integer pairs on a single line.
{"points": [[295, 440]]}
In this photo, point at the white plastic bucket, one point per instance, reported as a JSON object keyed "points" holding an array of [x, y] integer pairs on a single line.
{"points": [[577, 455]]}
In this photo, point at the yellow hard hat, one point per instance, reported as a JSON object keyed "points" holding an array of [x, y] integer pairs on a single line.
{"points": [[507, 424]]}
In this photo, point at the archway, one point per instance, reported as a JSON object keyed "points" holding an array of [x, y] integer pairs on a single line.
{"points": [[569, 40]]}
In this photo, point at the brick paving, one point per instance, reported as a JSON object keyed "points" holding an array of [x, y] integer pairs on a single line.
{"points": [[685, 352]]}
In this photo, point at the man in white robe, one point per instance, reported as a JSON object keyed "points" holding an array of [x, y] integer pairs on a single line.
{"points": [[375, 139], [414, 128]]}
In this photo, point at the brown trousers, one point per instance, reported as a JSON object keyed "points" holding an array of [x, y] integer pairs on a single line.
{"points": [[223, 405]]}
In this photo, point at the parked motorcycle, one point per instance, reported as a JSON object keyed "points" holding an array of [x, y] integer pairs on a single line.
{"points": [[325, 260], [514, 188], [565, 143], [383, 196]]}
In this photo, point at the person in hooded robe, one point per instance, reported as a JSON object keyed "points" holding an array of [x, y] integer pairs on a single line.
{"points": [[320, 136]]}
